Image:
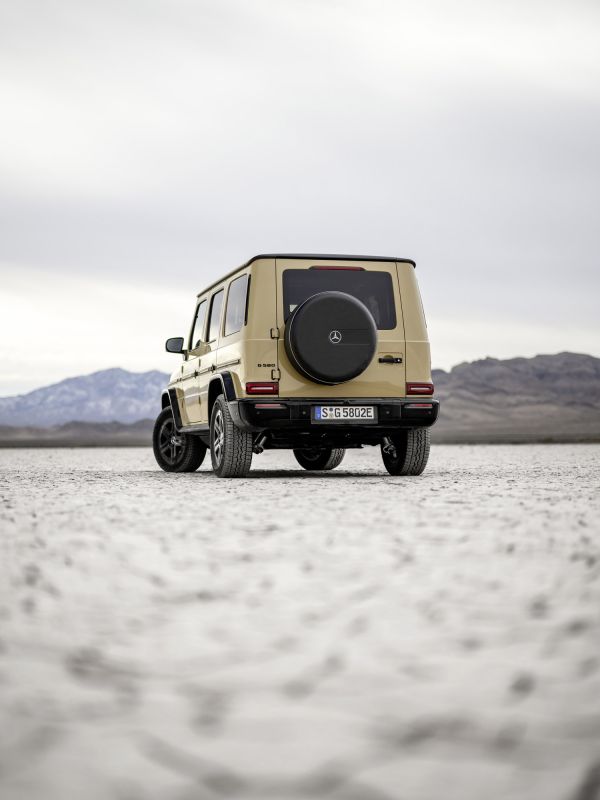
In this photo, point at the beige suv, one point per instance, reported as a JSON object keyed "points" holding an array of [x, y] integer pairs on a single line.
{"points": [[312, 353]]}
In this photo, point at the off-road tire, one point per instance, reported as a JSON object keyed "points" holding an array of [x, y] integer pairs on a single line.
{"points": [[412, 452], [175, 452], [231, 458], [320, 458]]}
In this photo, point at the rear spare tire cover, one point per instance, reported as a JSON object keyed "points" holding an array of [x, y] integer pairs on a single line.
{"points": [[331, 337]]}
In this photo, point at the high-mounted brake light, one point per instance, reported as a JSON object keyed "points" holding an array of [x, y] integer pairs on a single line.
{"points": [[263, 387], [350, 269], [419, 388]]}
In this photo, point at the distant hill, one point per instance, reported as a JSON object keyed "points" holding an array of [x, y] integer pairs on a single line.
{"points": [[111, 395], [545, 398], [550, 397]]}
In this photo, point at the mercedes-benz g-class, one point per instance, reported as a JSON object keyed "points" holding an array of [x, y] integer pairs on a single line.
{"points": [[313, 353]]}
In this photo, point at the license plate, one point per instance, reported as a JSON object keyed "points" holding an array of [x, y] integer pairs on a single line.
{"points": [[359, 414]]}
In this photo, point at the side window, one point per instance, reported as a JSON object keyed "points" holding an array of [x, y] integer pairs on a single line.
{"points": [[215, 316], [235, 313], [198, 331]]}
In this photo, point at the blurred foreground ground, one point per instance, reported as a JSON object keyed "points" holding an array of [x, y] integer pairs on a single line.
{"points": [[348, 636]]}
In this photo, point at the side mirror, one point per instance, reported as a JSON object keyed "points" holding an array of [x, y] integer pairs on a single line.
{"points": [[174, 345]]}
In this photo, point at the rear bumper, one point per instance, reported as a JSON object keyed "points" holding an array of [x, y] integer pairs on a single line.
{"points": [[294, 415]]}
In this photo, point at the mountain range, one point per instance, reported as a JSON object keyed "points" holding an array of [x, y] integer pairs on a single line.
{"points": [[545, 398], [111, 395]]}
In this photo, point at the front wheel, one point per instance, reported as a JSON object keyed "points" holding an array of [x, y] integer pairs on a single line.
{"points": [[410, 454], [173, 451], [320, 458], [230, 447]]}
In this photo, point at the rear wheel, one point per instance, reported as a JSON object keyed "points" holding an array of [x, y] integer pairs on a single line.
{"points": [[411, 452], [173, 451], [320, 458], [230, 447]]}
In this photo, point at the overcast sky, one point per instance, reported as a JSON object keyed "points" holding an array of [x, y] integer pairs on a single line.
{"points": [[147, 146]]}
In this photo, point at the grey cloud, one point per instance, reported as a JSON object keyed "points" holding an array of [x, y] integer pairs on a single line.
{"points": [[180, 138]]}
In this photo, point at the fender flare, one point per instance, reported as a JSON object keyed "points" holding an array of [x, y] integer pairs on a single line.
{"points": [[226, 384], [172, 397], [226, 387], [220, 383]]}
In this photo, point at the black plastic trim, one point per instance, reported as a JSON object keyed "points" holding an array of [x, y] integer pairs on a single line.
{"points": [[247, 299], [175, 408], [295, 414], [228, 385]]}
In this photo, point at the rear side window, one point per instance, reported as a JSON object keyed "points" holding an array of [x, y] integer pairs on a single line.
{"points": [[215, 316], [235, 314], [374, 289], [198, 331]]}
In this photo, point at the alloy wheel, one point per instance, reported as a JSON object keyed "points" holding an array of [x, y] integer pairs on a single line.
{"points": [[218, 436], [170, 444]]}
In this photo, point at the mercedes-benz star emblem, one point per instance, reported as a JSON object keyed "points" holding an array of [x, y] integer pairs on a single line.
{"points": [[335, 337]]}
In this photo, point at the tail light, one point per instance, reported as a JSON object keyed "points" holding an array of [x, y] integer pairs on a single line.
{"points": [[262, 387], [419, 388]]}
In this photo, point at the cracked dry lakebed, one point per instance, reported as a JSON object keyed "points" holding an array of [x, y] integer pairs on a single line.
{"points": [[347, 635]]}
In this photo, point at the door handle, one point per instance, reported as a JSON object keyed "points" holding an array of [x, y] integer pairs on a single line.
{"points": [[390, 360]]}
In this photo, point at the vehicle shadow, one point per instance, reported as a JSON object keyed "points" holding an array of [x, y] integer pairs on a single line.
{"points": [[307, 475], [263, 474]]}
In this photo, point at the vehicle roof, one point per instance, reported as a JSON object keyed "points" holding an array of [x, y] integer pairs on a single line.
{"points": [[319, 256]]}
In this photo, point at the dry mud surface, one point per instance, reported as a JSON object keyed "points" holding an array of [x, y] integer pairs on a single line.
{"points": [[348, 636]]}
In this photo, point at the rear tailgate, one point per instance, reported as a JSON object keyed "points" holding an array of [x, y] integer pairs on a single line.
{"points": [[381, 378]]}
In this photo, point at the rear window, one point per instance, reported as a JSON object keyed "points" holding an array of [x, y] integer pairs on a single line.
{"points": [[374, 289]]}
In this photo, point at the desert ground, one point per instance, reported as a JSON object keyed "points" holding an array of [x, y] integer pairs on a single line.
{"points": [[297, 635]]}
